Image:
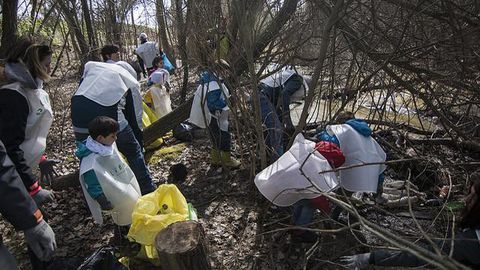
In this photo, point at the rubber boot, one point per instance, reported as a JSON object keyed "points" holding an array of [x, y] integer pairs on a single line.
{"points": [[215, 157], [228, 161]]}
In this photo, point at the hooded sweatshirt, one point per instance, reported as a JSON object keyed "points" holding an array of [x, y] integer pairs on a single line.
{"points": [[14, 111]]}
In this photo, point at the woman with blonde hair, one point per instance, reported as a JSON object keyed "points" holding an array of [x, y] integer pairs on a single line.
{"points": [[26, 116]]}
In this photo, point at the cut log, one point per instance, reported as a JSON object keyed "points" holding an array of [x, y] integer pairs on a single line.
{"points": [[163, 125], [181, 246]]}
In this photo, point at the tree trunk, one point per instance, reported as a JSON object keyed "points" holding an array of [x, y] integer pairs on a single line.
{"points": [[88, 24], [162, 29], [163, 125], [70, 17], [114, 26], [9, 26], [181, 246], [135, 35], [182, 44]]}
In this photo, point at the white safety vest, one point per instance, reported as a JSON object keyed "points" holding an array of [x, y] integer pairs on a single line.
{"points": [[283, 184], [281, 77], [147, 51], [200, 114], [161, 100], [118, 184], [39, 120], [107, 83], [358, 149]]}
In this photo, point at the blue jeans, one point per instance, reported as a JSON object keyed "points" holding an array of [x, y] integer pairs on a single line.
{"points": [[131, 149], [274, 138], [302, 212]]}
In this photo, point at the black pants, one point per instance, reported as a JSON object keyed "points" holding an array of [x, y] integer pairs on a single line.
{"points": [[221, 139], [466, 251]]}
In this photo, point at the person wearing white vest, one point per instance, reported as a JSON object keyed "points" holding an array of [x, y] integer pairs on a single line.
{"points": [[210, 109], [147, 50], [111, 89], [276, 93], [110, 53], [158, 95], [355, 140], [465, 242], [107, 181], [26, 117]]}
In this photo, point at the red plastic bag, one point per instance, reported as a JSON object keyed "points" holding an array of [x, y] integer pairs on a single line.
{"points": [[332, 153]]}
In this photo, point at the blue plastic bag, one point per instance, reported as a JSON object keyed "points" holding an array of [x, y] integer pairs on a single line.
{"points": [[166, 63]]}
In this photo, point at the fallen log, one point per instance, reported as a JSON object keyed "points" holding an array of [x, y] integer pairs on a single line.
{"points": [[181, 246], [163, 125]]}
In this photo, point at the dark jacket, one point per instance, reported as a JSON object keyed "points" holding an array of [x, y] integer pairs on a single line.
{"points": [[84, 110], [16, 205], [14, 112]]}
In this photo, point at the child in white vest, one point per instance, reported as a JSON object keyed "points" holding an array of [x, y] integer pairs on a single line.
{"points": [[107, 181], [158, 97]]}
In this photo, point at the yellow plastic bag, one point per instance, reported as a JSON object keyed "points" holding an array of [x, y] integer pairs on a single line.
{"points": [[152, 213], [148, 118]]}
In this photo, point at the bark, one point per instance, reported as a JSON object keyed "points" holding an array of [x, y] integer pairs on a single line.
{"points": [[181, 24], [70, 17], [181, 246], [162, 29], [113, 27], [9, 26], [88, 24]]}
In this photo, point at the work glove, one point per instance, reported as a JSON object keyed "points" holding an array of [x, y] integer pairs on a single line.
{"points": [[356, 262], [43, 196], [104, 202], [47, 172], [41, 240]]}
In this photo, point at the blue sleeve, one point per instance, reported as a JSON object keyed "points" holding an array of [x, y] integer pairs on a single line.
{"points": [[215, 100], [93, 186], [324, 136]]}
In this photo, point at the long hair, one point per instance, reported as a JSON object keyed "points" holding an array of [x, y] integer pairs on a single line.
{"points": [[31, 54], [470, 215]]}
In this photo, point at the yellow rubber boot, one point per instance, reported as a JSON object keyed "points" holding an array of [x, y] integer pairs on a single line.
{"points": [[228, 161], [215, 158]]}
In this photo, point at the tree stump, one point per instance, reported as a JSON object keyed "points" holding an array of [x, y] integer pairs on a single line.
{"points": [[181, 246]]}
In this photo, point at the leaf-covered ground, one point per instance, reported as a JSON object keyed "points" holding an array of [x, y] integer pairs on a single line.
{"points": [[243, 230]]}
